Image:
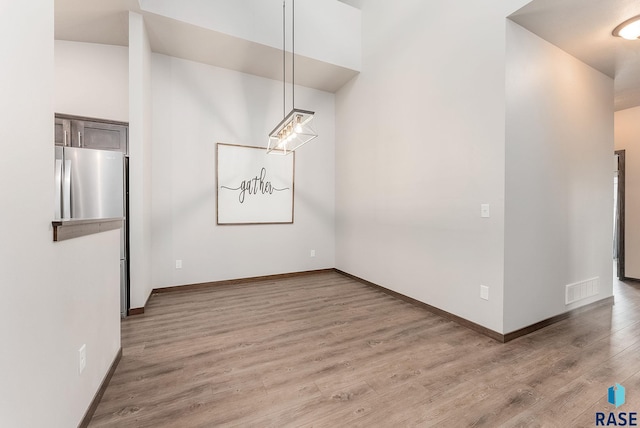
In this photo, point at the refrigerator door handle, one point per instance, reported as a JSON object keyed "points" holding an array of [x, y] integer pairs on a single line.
{"points": [[66, 189]]}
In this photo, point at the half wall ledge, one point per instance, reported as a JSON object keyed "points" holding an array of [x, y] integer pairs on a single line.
{"points": [[69, 229]]}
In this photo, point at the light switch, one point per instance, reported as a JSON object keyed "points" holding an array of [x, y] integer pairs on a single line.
{"points": [[484, 292], [484, 211]]}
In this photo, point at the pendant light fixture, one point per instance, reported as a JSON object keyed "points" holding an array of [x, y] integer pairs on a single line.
{"points": [[629, 29], [295, 129]]}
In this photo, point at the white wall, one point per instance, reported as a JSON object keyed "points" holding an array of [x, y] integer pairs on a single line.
{"points": [[627, 138], [419, 147], [139, 161], [559, 179], [55, 296], [194, 107], [92, 80]]}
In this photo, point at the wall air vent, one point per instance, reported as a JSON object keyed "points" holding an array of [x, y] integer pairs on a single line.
{"points": [[581, 290]]}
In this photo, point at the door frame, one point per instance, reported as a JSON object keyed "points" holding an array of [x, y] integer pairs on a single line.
{"points": [[621, 213]]}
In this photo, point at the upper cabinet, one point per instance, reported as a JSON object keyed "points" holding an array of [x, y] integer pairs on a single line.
{"points": [[75, 131], [98, 135], [63, 132]]}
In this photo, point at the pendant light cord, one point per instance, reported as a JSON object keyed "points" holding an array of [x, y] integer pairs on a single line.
{"points": [[293, 53], [284, 56], [284, 63]]}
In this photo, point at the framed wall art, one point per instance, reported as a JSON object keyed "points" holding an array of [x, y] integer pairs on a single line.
{"points": [[253, 187]]}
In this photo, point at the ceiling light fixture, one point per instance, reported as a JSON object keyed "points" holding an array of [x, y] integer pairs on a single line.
{"points": [[295, 129], [629, 29]]}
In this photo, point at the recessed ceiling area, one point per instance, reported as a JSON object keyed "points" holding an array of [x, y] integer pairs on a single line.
{"points": [[580, 27], [107, 22], [175, 38], [583, 29], [355, 3]]}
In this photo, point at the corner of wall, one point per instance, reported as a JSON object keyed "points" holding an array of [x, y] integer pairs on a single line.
{"points": [[559, 179], [139, 160]]}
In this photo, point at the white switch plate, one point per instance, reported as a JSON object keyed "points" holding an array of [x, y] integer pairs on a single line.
{"points": [[485, 211], [82, 358], [312, 253], [484, 292], [178, 264]]}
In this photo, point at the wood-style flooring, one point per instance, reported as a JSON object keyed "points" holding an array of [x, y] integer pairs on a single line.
{"points": [[327, 351]]}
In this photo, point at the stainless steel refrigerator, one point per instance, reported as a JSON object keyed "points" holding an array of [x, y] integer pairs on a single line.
{"points": [[92, 184]]}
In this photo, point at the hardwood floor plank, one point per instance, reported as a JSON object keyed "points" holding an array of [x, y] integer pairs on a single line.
{"points": [[324, 350]]}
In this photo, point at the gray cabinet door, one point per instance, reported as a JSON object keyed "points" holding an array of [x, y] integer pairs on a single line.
{"points": [[98, 135], [62, 132]]}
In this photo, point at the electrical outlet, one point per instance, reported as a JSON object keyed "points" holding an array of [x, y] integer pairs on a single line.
{"points": [[484, 292], [178, 264], [312, 253], [82, 358]]}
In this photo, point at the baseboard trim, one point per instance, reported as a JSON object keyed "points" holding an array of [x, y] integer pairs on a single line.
{"points": [[98, 396], [503, 338], [136, 311], [437, 311], [239, 281], [608, 301], [140, 311]]}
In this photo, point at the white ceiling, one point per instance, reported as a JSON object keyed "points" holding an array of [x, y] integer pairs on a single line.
{"points": [[580, 27], [107, 22], [94, 21], [583, 29]]}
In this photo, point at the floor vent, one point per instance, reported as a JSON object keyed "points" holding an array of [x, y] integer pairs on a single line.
{"points": [[581, 290]]}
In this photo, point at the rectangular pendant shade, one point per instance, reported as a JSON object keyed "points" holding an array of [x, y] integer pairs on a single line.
{"points": [[292, 132]]}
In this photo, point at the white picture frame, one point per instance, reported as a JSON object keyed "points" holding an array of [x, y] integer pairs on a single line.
{"points": [[253, 187]]}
